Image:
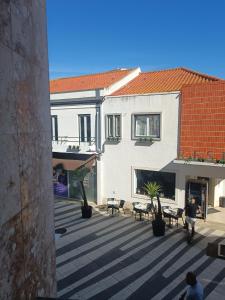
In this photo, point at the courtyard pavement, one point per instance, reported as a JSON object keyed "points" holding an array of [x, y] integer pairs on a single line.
{"points": [[116, 257]]}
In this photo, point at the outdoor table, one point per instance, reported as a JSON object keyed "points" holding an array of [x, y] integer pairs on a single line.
{"points": [[170, 213], [140, 207], [113, 203]]}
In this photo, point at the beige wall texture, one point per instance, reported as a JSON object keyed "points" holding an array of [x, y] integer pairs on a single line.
{"points": [[27, 249]]}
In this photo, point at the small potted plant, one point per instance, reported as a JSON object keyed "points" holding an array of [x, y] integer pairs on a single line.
{"points": [[158, 224]]}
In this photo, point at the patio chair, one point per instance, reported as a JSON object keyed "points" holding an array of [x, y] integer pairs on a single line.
{"points": [[139, 211], [149, 209], [110, 206], [179, 215], [120, 206], [135, 210]]}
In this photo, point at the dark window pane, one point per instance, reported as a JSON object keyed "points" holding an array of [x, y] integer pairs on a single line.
{"points": [[82, 135], [54, 128], [110, 126], [117, 126], [165, 179], [88, 118]]}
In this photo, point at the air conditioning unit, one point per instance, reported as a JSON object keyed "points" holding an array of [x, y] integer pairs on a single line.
{"points": [[221, 250]]}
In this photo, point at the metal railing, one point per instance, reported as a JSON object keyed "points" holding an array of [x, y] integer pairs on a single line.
{"points": [[75, 144], [79, 140]]}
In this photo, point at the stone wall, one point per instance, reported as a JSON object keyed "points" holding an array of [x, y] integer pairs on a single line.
{"points": [[27, 250]]}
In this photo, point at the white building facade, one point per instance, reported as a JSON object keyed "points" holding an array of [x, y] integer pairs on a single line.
{"points": [[124, 160], [76, 111], [132, 126]]}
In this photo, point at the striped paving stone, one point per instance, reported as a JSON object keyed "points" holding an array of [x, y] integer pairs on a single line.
{"points": [[116, 257]]}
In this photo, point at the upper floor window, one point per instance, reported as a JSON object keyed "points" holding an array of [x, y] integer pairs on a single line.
{"points": [[84, 128], [54, 127], [113, 126], [146, 126]]}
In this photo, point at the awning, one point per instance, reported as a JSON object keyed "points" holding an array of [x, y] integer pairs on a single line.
{"points": [[73, 161]]}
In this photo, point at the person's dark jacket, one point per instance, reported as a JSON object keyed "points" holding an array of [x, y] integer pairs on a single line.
{"points": [[191, 210]]}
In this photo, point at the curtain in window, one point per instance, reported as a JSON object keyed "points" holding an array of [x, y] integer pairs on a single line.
{"points": [[117, 126], [140, 126], [154, 127], [110, 126]]}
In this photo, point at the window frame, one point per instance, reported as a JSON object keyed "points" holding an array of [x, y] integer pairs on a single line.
{"points": [[56, 136], [114, 136], [164, 199], [133, 126], [87, 139]]}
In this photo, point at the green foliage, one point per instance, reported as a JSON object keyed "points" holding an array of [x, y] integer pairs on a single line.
{"points": [[80, 173], [152, 189]]}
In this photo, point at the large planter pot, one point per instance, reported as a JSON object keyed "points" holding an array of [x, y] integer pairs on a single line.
{"points": [[86, 212], [158, 227]]}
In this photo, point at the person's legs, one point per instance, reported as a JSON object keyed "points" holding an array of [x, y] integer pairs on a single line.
{"points": [[193, 227], [193, 230]]}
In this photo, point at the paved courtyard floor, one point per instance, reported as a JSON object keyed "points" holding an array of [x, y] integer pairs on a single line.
{"points": [[116, 257]]}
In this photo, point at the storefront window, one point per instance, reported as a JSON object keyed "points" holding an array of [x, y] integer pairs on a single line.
{"points": [[60, 184], [165, 179], [90, 186]]}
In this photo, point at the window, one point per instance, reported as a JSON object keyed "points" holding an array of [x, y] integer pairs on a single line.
{"points": [[54, 127], [165, 179], [113, 126], [84, 128], [146, 126]]}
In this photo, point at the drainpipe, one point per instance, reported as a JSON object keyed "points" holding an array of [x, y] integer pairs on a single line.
{"points": [[98, 129]]}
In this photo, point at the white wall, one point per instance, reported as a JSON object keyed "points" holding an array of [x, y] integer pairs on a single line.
{"points": [[217, 185], [73, 95], [68, 124], [120, 160], [219, 190]]}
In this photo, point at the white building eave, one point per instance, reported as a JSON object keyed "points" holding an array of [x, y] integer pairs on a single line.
{"points": [[198, 163], [147, 94]]}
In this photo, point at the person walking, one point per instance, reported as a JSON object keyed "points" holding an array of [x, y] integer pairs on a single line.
{"points": [[194, 290], [190, 212]]}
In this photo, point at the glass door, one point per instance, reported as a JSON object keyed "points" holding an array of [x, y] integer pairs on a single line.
{"points": [[199, 190]]}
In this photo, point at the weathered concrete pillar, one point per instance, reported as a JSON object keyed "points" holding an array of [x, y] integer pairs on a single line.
{"points": [[27, 250]]}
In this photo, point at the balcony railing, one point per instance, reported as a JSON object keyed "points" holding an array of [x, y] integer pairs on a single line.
{"points": [[74, 144]]}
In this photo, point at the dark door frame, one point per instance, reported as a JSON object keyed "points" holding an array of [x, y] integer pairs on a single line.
{"points": [[204, 188]]}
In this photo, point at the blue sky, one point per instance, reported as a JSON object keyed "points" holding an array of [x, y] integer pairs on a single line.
{"points": [[88, 36]]}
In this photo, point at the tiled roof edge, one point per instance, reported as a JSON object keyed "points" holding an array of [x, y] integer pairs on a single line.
{"points": [[94, 74]]}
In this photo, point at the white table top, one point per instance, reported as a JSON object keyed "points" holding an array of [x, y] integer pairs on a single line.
{"points": [[112, 202], [141, 206], [170, 211]]}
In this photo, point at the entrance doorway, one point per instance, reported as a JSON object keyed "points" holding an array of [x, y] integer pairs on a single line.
{"points": [[198, 188]]}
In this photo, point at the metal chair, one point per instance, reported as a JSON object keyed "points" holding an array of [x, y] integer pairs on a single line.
{"points": [[110, 206], [179, 215], [120, 206], [149, 209], [135, 210]]}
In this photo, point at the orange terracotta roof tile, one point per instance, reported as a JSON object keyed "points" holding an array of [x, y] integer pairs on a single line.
{"points": [[162, 81], [87, 82]]}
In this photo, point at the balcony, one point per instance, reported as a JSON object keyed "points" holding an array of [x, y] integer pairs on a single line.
{"points": [[74, 144]]}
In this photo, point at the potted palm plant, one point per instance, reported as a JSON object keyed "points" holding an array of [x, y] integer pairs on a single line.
{"points": [[158, 224], [79, 175]]}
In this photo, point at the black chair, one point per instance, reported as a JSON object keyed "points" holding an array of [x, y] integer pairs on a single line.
{"points": [[110, 206], [139, 211], [149, 209], [179, 215], [120, 206], [135, 210]]}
